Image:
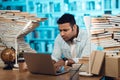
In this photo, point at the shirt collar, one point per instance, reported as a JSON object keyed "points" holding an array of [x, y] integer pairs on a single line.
{"points": [[78, 38]]}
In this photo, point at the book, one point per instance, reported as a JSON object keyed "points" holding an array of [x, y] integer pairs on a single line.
{"points": [[14, 25], [105, 32]]}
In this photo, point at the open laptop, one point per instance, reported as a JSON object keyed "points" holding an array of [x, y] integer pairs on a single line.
{"points": [[41, 64]]}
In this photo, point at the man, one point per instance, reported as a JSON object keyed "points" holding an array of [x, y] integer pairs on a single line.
{"points": [[71, 44]]}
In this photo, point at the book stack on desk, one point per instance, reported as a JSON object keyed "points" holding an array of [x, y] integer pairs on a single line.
{"points": [[14, 25], [105, 32], [2, 47]]}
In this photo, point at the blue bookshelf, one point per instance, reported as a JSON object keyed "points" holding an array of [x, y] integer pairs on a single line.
{"points": [[42, 38]]}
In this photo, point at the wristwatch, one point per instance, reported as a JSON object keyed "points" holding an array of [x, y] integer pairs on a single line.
{"points": [[66, 60]]}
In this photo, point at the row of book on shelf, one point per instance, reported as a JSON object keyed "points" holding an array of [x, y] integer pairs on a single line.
{"points": [[42, 46], [49, 7], [43, 34]]}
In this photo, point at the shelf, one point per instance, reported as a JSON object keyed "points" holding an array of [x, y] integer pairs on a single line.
{"points": [[41, 40], [53, 9]]}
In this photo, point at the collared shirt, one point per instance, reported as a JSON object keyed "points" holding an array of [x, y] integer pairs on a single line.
{"points": [[82, 47], [73, 50]]}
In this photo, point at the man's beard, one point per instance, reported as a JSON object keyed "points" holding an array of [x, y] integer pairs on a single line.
{"points": [[69, 40]]}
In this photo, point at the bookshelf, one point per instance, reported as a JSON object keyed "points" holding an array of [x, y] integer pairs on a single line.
{"points": [[41, 41], [52, 10]]}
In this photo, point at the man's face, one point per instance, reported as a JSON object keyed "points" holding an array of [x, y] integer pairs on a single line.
{"points": [[66, 31]]}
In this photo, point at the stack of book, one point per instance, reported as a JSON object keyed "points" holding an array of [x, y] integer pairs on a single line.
{"points": [[14, 25], [2, 47], [105, 32]]}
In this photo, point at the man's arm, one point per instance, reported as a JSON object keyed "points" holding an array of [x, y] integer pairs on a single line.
{"points": [[62, 62], [56, 54], [58, 64], [68, 62]]}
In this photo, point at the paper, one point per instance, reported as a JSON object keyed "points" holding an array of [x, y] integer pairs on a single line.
{"points": [[14, 25]]}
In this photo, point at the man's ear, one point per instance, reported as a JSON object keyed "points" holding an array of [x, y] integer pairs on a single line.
{"points": [[74, 27]]}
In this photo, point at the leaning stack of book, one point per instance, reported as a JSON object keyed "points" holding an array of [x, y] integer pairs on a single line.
{"points": [[14, 25], [105, 32], [2, 47]]}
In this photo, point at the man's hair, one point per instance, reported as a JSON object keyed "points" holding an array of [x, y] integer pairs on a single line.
{"points": [[67, 18]]}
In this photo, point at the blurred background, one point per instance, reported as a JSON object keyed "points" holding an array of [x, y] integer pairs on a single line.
{"points": [[42, 38]]}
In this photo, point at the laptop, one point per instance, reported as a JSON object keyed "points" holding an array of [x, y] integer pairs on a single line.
{"points": [[39, 63]]}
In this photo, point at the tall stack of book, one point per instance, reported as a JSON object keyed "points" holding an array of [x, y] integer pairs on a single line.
{"points": [[2, 47], [14, 25], [105, 32]]}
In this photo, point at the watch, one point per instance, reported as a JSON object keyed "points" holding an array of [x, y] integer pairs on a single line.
{"points": [[64, 59]]}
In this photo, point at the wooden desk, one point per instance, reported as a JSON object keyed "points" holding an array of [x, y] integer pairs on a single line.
{"points": [[16, 75]]}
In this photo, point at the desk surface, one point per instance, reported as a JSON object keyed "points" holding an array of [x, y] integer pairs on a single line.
{"points": [[16, 75]]}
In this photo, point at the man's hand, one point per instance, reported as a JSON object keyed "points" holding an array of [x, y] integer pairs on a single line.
{"points": [[70, 62], [53, 61], [59, 64]]}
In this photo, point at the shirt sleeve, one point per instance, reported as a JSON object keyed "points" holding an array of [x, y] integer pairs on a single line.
{"points": [[76, 60], [56, 54]]}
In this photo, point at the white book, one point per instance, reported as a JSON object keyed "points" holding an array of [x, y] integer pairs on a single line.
{"points": [[13, 30]]}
